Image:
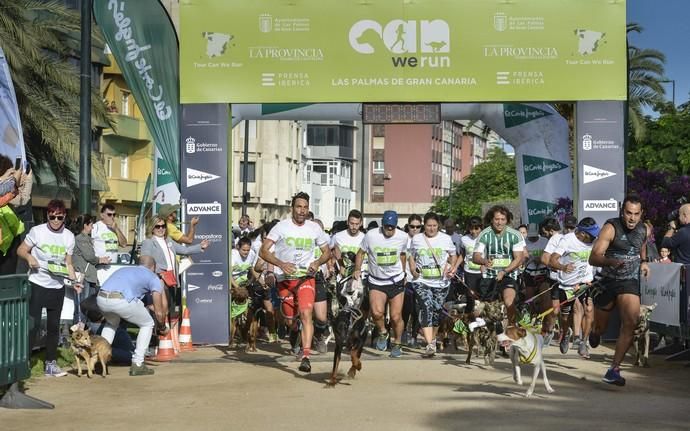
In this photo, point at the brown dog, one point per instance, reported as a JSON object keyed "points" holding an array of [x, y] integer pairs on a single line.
{"points": [[244, 323], [640, 342], [91, 348]]}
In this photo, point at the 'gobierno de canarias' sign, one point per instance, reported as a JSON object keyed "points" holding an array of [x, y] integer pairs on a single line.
{"points": [[262, 51]]}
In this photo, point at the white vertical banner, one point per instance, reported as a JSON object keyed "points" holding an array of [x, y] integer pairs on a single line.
{"points": [[165, 189], [663, 288], [11, 136]]}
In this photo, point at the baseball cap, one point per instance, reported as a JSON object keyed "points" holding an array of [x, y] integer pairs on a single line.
{"points": [[166, 209], [593, 230], [390, 218], [532, 230]]}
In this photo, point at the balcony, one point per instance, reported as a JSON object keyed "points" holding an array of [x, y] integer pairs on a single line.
{"points": [[122, 189], [130, 128]]}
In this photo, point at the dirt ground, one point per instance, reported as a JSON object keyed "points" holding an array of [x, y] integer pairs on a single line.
{"points": [[217, 388]]}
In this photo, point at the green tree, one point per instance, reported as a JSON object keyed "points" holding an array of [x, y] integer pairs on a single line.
{"points": [[645, 89], [489, 181], [666, 145], [38, 40]]}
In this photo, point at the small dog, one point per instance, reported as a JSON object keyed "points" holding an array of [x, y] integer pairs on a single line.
{"points": [[350, 328], [525, 348], [641, 336], [91, 348], [243, 324]]}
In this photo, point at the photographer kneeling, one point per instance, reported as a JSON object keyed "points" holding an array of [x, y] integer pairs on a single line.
{"points": [[677, 238], [120, 298]]}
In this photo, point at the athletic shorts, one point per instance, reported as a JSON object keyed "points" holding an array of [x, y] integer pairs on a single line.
{"points": [[391, 290], [610, 289], [490, 289], [321, 289], [305, 295]]}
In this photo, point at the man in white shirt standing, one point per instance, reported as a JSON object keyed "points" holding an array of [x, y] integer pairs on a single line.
{"points": [[107, 239], [295, 265], [386, 249]]}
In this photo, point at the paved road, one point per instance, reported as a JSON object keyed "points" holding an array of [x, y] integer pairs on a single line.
{"points": [[221, 389]]}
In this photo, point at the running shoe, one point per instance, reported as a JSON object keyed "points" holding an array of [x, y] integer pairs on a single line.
{"points": [[321, 345], [396, 350], [565, 341], [305, 365], [613, 377], [382, 342], [140, 370], [430, 351], [594, 340], [582, 350], [52, 370]]}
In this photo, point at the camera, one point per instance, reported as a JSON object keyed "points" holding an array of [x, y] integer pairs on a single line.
{"points": [[673, 215]]}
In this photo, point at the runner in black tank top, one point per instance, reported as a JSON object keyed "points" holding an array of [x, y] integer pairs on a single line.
{"points": [[621, 254]]}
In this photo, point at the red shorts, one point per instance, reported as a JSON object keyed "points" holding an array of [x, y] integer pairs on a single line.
{"points": [[306, 292]]}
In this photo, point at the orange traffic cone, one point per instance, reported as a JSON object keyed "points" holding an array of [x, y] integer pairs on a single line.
{"points": [[186, 333], [174, 331], [166, 349]]}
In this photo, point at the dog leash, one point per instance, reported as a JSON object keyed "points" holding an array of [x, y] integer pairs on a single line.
{"points": [[527, 301], [579, 293]]}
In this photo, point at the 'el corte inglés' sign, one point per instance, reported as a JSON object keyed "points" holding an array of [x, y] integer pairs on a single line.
{"points": [[394, 50]]}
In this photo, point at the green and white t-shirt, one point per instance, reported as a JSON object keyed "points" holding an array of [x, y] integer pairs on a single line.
{"points": [[384, 256], [104, 241], [241, 267], [467, 244], [431, 256], [295, 244], [573, 251], [499, 248], [50, 250], [348, 243]]}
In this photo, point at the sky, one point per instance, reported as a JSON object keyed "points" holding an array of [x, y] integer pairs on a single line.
{"points": [[666, 27]]}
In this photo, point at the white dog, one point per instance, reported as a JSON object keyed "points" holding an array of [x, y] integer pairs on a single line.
{"points": [[525, 348]]}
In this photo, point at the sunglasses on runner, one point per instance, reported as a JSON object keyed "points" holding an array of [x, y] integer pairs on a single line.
{"points": [[159, 226], [389, 227], [111, 214], [415, 226], [56, 217]]}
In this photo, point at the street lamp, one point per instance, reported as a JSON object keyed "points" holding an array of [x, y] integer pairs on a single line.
{"points": [[673, 90]]}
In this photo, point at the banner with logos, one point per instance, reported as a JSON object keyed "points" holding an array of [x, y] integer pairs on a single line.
{"points": [[662, 288], [165, 187], [205, 162], [144, 43], [11, 136], [600, 133], [396, 50]]}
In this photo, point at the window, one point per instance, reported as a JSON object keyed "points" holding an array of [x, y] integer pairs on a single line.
{"points": [[251, 172], [378, 167], [109, 167], [124, 167], [124, 102]]}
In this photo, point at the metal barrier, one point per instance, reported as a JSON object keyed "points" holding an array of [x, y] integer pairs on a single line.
{"points": [[15, 324]]}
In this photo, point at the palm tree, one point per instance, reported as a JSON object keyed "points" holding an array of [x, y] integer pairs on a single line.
{"points": [[35, 36], [645, 75]]}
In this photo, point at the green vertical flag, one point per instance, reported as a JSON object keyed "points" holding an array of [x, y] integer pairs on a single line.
{"points": [[144, 43]]}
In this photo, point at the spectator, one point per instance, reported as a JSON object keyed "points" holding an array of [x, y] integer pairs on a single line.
{"points": [[168, 213], [15, 193], [48, 250], [121, 298], [677, 237], [85, 259], [107, 238], [665, 256]]}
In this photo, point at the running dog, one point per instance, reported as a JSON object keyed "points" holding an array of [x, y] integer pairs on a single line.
{"points": [[243, 322], [492, 313], [525, 348], [350, 328], [641, 336], [91, 348]]}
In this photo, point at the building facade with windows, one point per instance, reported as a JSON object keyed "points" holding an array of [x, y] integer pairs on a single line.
{"points": [[273, 168]]}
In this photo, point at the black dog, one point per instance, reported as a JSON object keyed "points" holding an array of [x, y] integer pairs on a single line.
{"points": [[350, 328]]}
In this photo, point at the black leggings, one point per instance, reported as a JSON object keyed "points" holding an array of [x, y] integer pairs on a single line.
{"points": [[51, 300]]}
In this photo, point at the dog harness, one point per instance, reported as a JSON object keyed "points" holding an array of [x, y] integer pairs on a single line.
{"points": [[528, 359]]}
